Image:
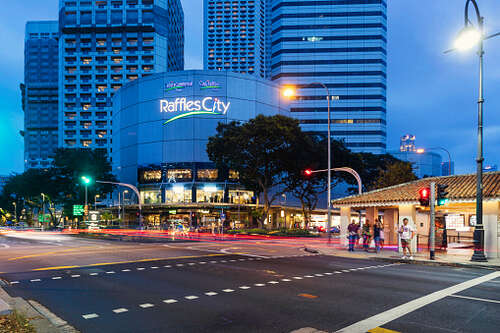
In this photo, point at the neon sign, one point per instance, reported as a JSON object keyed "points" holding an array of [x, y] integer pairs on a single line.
{"points": [[177, 85], [207, 84], [208, 105]]}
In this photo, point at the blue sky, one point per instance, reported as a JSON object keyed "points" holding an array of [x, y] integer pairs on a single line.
{"points": [[430, 94]]}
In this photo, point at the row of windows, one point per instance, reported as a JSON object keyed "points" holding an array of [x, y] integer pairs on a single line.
{"points": [[331, 50], [341, 97], [343, 121], [316, 74], [328, 3], [328, 62], [323, 15], [340, 109], [328, 38], [330, 26]]}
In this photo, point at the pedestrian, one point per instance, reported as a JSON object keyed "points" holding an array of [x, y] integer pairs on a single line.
{"points": [[366, 235], [382, 238], [376, 235], [352, 230], [406, 233]]}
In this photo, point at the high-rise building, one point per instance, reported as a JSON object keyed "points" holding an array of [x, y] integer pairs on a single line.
{"points": [[341, 44], [235, 36], [40, 92], [103, 45]]}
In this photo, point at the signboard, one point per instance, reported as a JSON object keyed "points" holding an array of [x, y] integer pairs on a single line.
{"points": [[173, 212], [94, 216], [191, 107], [43, 219], [177, 86], [454, 221], [78, 210]]}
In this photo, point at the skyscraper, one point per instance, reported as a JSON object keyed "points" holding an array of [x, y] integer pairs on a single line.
{"points": [[103, 45], [341, 44], [39, 92], [235, 36]]}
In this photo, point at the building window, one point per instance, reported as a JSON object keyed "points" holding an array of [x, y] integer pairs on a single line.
{"points": [[151, 197], [178, 193], [182, 174], [210, 174], [234, 175], [209, 193], [150, 176]]}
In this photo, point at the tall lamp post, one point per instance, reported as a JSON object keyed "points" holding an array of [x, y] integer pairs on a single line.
{"points": [[422, 150], [469, 37], [86, 181], [290, 92]]}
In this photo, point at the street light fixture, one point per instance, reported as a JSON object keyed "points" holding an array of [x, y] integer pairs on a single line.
{"points": [[469, 37], [86, 180], [289, 92]]}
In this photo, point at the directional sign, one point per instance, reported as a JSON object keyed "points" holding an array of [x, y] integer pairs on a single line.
{"points": [[78, 210], [42, 218]]}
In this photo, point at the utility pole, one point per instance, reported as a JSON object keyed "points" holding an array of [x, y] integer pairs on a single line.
{"points": [[43, 210], [432, 204]]}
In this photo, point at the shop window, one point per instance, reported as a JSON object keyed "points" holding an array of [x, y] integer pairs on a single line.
{"points": [[234, 175], [178, 193], [182, 174], [210, 194], [240, 197], [150, 176], [151, 197], [211, 174]]}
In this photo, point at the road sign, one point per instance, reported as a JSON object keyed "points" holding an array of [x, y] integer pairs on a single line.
{"points": [[43, 219], [78, 210], [94, 216]]}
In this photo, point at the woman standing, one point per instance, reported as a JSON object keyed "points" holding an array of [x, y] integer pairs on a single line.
{"points": [[366, 235], [377, 228]]}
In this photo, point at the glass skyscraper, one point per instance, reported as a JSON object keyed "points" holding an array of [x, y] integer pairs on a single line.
{"points": [[104, 44], [340, 43], [39, 92]]}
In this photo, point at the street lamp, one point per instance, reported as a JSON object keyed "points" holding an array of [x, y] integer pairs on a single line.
{"points": [[422, 150], [469, 37], [86, 180], [289, 92]]}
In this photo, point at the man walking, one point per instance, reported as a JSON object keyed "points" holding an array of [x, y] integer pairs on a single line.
{"points": [[406, 233], [352, 230]]}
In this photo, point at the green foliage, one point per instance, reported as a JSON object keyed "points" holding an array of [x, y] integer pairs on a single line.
{"points": [[394, 174]]}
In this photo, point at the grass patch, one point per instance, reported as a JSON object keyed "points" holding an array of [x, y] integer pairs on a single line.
{"points": [[15, 323]]}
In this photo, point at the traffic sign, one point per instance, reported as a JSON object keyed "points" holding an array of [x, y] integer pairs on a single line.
{"points": [[42, 218], [78, 210]]}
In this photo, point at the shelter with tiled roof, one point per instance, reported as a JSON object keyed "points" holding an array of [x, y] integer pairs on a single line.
{"points": [[394, 203]]}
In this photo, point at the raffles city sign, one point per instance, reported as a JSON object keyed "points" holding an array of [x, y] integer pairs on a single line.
{"points": [[190, 107]]}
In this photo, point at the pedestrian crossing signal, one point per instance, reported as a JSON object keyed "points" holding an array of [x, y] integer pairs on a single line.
{"points": [[424, 194]]}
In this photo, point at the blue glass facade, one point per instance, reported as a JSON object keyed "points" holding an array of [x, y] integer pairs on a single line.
{"points": [[40, 92], [103, 45]]}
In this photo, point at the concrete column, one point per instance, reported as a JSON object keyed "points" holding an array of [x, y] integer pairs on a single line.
{"points": [[409, 212], [390, 226], [371, 214], [491, 222], [345, 219]]}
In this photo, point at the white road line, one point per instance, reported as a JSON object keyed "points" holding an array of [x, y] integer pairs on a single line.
{"points": [[191, 297], [110, 272], [179, 265], [345, 271], [399, 311], [191, 264], [337, 272], [223, 261], [167, 266], [273, 282], [213, 262], [93, 274], [308, 276], [476, 299], [154, 267], [56, 278], [146, 305], [211, 293], [140, 268], [75, 276], [232, 260], [228, 290], [241, 259], [170, 301], [125, 270], [328, 273], [35, 280], [259, 284], [120, 310], [14, 282], [90, 316], [319, 274], [297, 278], [202, 262], [244, 287], [286, 280]]}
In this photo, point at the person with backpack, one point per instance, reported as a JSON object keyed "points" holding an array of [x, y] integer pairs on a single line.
{"points": [[352, 234], [406, 233]]}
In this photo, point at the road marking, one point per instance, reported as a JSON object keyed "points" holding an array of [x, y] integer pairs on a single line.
{"points": [[308, 276], [319, 274], [191, 264], [75, 276], [202, 262], [191, 297], [297, 278], [14, 282], [381, 330], [140, 268], [90, 316], [56, 278], [110, 272], [286, 280], [179, 265], [120, 310], [273, 282], [146, 305], [328, 273], [35, 280], [476, 299], [345, 271], [244, 287], [213, 262], [259, 285], [170, 301], [337, 272], [399, 311], [93, 274], [167, 266], [154, 267], [125, 270], [308, 296], [211, 293], [54, 268], [228, 290]]}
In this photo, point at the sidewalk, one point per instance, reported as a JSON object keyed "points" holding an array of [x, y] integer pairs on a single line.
{"points": [[421, 257]]}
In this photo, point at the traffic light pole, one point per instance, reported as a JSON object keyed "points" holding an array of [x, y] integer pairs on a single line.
{"points": [[432, 237]]}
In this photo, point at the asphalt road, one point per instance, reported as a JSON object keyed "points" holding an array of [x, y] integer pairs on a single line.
{"points": [[195, 290]]}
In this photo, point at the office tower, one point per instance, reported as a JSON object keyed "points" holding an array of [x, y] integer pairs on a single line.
{"points": [[39, 92], [235, 36], [407, 143], [105, 44], [341, 44]]}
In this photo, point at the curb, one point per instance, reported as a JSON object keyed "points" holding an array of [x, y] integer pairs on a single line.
{"points": [[418, 262]]}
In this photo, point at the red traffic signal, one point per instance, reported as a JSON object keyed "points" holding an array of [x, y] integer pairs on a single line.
{"points": [[308, 172], [424, 194]]}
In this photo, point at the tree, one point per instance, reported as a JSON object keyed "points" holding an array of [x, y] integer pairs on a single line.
{"points": [[259, 150], [394, 174]]}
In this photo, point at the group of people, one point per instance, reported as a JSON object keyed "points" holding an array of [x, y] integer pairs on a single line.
{"points": [[376, 233]]}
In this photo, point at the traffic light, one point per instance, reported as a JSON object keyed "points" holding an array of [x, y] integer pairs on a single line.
{"points": [[424, 194], [441, 194], [308, 172]]}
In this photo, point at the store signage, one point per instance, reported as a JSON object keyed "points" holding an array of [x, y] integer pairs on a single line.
{"points": [[177, 85], [78, 210], [208, 84], [208, 105]]}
